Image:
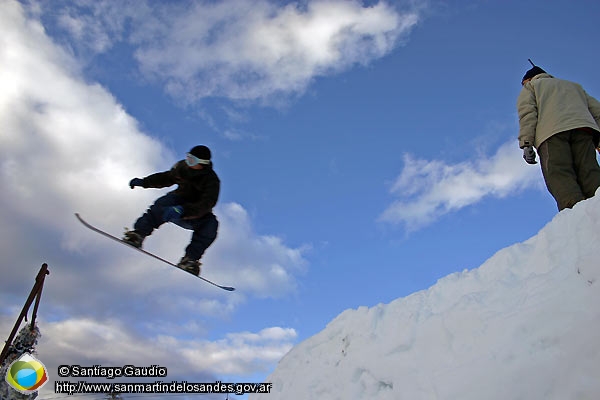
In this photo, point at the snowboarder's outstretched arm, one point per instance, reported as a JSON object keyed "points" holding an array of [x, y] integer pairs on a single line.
{"points": [[199, 189], [157, 180]]}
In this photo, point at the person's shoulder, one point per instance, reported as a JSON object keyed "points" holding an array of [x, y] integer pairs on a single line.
{"points": [[213, 174], [179, 165]]}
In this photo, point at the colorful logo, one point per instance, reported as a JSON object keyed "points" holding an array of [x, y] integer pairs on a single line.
{"points": [[26, 374]]}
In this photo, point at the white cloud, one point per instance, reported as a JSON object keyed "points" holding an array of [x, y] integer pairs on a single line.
{"points": [[243, 353], [255, 50], [65, 145], [113, 342], [266, 265], [429, 189], [239, 49]]}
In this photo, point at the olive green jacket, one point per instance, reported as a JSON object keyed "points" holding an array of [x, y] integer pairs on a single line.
{"points": [[547, 106]]}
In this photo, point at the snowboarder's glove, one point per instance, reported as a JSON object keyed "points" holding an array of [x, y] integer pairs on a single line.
{"points": [[529, 155], [136, 182], [173, 213]]}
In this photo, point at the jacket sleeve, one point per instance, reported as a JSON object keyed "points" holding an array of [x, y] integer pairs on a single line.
{"points": [[528, 115], [160, 179], [594, 107]]}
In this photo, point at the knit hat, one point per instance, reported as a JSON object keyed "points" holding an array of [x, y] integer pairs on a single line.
{"points": [[198, 155], [532, 72], [202, 152]]}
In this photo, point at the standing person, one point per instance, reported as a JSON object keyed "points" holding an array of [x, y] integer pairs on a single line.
{"points": [[189, 206], [561, 121]]}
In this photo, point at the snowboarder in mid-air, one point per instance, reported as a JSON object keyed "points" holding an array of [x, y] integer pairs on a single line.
{"points": [[189, 206]]}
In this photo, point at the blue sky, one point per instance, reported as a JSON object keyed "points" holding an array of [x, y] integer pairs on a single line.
{"points": [[365, 151]]}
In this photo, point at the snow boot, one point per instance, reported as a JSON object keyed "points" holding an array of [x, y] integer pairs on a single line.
{"points": [[133, 238], [190, 265]]}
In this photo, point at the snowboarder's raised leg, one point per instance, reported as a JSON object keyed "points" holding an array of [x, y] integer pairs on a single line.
{"points": [[152, 219], [205, 233], [154, 216]]}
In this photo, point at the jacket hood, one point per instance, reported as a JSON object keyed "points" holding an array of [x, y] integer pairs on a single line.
{"points": [[539, 76]]}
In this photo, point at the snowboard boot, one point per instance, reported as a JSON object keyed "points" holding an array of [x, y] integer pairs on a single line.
{"points": [[190, 265], [133, 238]]}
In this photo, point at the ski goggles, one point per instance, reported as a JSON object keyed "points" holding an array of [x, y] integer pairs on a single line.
{"points": [[191, 160]]}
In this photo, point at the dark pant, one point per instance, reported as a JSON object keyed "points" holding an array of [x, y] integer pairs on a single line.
{"points": [[205, 228], [570, 167]]}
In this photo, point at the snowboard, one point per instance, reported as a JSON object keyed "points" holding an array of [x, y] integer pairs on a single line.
{"points": [[108, 235]]}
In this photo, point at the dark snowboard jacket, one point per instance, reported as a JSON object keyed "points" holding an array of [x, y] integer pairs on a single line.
{"points": [[199, 189]]}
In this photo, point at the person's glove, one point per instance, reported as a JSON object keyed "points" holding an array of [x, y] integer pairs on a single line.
{"points": [[136, 182], [173, 213], [529, 155]]}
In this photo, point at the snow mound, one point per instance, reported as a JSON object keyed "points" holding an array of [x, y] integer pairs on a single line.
{"points": [[524, 325]]}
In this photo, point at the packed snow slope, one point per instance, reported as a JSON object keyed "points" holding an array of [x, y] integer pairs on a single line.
{"points": [[524, 325]]}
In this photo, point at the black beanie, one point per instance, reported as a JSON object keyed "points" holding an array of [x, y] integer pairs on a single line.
{"points": [[202, 152], [532, 72]]}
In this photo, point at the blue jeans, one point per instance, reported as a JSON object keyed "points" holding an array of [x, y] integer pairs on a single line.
{"points": [[205, 228]]}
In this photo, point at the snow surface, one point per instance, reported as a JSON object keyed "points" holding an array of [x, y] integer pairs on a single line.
{"points": [[524, 325]]}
